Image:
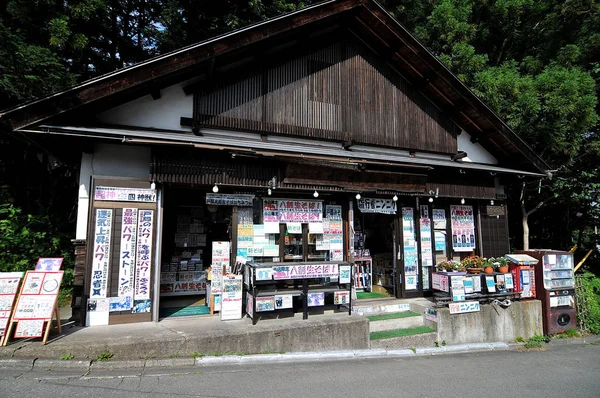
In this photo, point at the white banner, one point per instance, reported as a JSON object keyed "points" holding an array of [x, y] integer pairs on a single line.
{"points": [[128, 249], [120, 194], [143, 255], [377, 205], [100, 261]]}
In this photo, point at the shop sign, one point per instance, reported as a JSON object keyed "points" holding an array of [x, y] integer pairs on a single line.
{"points": [[221, 199], [305, 271], [101, 253], [120, 194], [377, 205], [461, 308], [300, 211], [143, 255]]}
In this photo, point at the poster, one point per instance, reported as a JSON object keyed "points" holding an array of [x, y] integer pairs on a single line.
{"points": [[128, 251], [245, 235], [340, 298], [29, 328], [9, 286], [265, 304], [141, 306], [38, 296], [293, 227], [508, 280], [220, 255], [143, 255], [468, 283], [462, 223], [491, 285], [315, 228], [249, 305], [264, 274], [426, 246], [345, 274], [49, 264], [101, 253], [411, 264], [231, 298], [271, 251], [316, 299], [304, 211], [283, 301], [120, 303]]}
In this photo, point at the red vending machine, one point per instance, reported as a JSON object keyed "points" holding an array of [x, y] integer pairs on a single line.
{"points": [[522, 268], [555, 282]]}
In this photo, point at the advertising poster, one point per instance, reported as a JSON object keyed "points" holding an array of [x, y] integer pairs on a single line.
{"points": [[283, 301], [220, 255], [231, 298], [143, 255], [38, 296], [101, 253], [304, 211], [49, 264], [345, 273], [121, 194], [29, 328], [120, 303], [249, 305], [265, 304], [264, 274], [316, 299], [9, 286], [245, 236], [341, 298], [462, 223], [411, 264]]}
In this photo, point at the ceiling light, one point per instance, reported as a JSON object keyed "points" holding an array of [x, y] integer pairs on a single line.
{"points": [[269, 192], [395, 198], [492, 202], [153, 186], [462, 201], [215, 188], [430, 199], [316, 194], [357, 196]]}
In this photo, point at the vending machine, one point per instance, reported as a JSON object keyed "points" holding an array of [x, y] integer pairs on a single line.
{"points": [[555, 282], [522, 268]]}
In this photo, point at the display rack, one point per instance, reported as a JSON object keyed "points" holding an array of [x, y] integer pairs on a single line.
{"points": [[478, 290], [363, 274], [272, 287]]}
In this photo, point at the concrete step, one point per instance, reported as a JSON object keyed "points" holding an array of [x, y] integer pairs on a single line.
{"points": [[415, 340], [396, 323]]}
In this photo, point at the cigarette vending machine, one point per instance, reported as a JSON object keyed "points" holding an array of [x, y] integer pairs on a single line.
{"points": [[555, 282], [523, 271]]}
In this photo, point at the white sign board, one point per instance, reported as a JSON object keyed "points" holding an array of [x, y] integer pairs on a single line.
{"points": [[231, 298]]}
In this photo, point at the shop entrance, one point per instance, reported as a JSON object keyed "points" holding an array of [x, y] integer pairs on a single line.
{"points": [[189, 228], [374, 248]]}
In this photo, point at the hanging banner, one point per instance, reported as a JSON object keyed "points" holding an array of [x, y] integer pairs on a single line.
{"points": [[300, 211], [100, 262], [128, 249], [377, 205], [463, 228], [305, 271], [220, 255], [411, 265], [333, 212], [223, 199], [120, 194], [294, 227], [143, 255]]}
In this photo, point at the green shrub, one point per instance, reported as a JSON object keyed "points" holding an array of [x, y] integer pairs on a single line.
{"points": [[105, 356], [588, 302]]}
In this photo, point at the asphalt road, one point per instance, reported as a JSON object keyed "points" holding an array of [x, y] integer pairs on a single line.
{"points": [[563, 371]]}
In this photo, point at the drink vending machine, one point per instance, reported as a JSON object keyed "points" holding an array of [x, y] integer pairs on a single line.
{"points": [[555, 282], [523, 271]]}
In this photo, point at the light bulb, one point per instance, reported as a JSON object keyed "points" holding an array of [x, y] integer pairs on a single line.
{"points": [[215, 188], [462, 201], [430, 199], [153, 185], [492, 202], [316, 194], [269, 191], [395, 198], [357, 196]]}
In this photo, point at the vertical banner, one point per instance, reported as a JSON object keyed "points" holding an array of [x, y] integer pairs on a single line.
{"points": [[411, 265], [128, 249], [426, 245], [100, 262], [143, 255], [463, 228]]}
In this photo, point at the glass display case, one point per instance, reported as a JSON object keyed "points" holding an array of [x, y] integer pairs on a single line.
{"points": [[558, 271]]}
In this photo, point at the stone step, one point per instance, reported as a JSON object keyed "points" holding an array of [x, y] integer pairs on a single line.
{"points": [[396, 323], [415, 340]]}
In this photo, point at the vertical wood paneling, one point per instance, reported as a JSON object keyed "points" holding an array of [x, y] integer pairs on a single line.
{"points": [[341, 91]]}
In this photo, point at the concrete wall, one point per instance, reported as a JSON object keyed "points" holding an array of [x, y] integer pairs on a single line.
{"points": [[491, 324], [112, 161]]}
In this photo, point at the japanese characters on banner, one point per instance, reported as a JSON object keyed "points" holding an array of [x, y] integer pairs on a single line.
{"points": [[37, 301], [100, 262], [9, 286], [303, 211], [128, 250], [377, 205], [411, 267], [143, 256], [426, 244], [231, 301], [463, 228], [305, 271], [49, 264], [333, 232], [229, 199], [467, 306], [120, 194]]}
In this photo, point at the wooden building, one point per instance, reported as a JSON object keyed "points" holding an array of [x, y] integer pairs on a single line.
{"points": [[335, 107]]}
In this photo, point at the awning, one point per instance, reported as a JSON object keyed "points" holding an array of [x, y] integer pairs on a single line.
{"points": [[273, 146], [521, 259]]}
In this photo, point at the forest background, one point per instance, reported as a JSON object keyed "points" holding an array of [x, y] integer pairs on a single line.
{"points": [[535, 62]]}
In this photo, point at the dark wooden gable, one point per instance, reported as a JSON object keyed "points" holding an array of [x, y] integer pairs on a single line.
{"points": [[340, 91]]}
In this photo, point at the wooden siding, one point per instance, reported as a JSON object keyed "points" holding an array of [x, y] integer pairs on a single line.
{"points": [[342, 91]]}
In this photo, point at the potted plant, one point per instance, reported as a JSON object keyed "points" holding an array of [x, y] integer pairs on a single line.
{"points": [[489, 265], [448, 265], [473, 264], [501, 264]]}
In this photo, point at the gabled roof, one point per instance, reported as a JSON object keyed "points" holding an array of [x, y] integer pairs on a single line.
{"points": [[366, 18]]}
